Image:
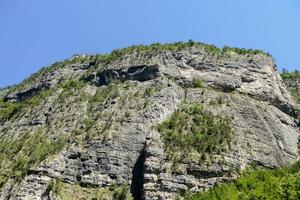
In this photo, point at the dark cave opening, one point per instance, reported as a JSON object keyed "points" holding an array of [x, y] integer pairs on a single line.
{"points": [[137, 180]]}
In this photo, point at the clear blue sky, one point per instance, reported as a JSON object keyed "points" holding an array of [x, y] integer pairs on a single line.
{"points": [[36, 33]]}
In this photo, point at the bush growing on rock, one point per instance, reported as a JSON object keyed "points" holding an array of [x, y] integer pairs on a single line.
{"points": [[193, 128], [268, 184]]}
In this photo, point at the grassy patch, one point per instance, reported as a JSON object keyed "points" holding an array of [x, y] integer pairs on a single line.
{"points": [[57, 65], [72, 88], [148, 49], [267, 184], [243, 51], [96, 109], [150, 91], [76, 192], [192, 128], [17, 156], [217, 101], [290, 75], [9, 109], [105, 59], [197, 83], [290, 79]]}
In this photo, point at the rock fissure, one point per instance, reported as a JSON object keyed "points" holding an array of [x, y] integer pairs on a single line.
{"points": [[109, 119], [137, 181]]}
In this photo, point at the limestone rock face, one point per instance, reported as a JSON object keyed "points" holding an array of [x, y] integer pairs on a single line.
{"points": [[108, 114]]}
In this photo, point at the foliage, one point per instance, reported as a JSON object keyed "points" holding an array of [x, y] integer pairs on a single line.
{"points": [[211, 49], [267, 184], [76, 59], [95, 106], [192, 128], [102, 94], [17, 156], [150, 91], [73, 84], [217, 101], [69, 192], [105, 59], [290, 79], [290, 75], [9, 109], [72, 88], [243, 51], [197, 83]]}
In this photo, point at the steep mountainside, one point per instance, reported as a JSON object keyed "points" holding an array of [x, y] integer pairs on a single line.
{"points": [[292, 82], [145, 122]]}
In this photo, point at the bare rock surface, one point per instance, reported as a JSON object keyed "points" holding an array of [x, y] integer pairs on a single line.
{"points": [[109, 115]]}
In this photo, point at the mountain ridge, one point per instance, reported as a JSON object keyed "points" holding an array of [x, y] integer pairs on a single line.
{"points": [[101, 114]]}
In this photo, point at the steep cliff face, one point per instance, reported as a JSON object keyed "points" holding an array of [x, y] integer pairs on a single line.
{"points": [[292, 82], [102, 125]]}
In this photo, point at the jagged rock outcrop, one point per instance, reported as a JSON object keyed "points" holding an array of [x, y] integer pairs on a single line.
{"points": [[107, 114], [47, 81], [138, 73], [292, 82]]}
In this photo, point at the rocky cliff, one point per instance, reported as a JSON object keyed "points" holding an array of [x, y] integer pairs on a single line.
{"points": [[292, 82], [146, 122]]}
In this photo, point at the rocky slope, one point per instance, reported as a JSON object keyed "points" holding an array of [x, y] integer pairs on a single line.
{"points": [[151, 122], [292, 82]]}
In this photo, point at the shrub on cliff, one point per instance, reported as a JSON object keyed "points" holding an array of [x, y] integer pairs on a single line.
{"points": [[267, 184], [193, 128]]}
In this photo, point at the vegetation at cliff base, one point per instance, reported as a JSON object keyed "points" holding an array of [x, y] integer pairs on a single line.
{"points": [[69, 192], [257, 184], [17, 156], [193, 128]]}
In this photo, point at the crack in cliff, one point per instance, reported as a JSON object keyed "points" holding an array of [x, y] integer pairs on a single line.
{"points": [[137, 181]]}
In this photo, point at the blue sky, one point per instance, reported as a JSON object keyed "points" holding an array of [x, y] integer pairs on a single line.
{"points": [[36, 33]]}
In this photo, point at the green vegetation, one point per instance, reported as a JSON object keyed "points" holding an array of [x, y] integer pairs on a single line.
{"points": [[9, 109], [76, 59], [17, 156], [211, 49], [72, 88], [73, 84], [217, 101], [197, 83], [104, 59], [95, 109], [291, 78], [266, 184], [182, 45], [192, 128], [243, 51], [71, 192], [54, 186], [286, 75], [102, 95], [150, 91]]}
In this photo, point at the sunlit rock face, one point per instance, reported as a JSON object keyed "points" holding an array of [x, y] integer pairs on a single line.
{"points": [[103, 118]]}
